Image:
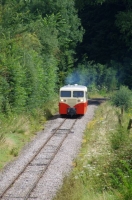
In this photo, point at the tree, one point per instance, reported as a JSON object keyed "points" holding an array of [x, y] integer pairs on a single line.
{"points": [[107, 35]]}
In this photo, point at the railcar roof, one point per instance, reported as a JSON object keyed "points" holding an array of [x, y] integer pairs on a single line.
{"points": [[74, 87]]}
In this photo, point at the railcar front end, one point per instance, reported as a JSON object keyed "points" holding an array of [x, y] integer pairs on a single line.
{"points": [[73, 100]]}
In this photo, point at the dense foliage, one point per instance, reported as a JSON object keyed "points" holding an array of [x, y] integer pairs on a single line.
{"points": [[37, 43], [122, 98], [45, 44], [108, 36]]}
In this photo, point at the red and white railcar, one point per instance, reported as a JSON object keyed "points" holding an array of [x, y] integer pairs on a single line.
{"points": [[73, 100]]}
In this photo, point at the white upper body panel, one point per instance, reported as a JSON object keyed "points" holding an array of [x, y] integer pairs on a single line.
{"points": [[73, 87]]}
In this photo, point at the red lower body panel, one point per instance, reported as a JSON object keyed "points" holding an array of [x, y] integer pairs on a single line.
{"points": [[81, 108]]}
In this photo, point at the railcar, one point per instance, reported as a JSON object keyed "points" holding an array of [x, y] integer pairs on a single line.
{"points": [[73, 100]]}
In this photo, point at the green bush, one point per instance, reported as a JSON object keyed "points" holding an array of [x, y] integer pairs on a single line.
{"points": [[121, 179], [122, 98]]}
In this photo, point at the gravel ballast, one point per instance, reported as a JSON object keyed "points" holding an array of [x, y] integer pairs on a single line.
{"points": [[60, 165]]}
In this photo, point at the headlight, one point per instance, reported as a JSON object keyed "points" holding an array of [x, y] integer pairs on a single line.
{"points": [[80, 100], [63, 100]]}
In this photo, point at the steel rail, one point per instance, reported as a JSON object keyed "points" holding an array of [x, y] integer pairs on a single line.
{"points": [[43, 171], [37, 152]]}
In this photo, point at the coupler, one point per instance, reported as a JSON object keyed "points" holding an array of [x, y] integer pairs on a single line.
{"points": [[71, 111]]}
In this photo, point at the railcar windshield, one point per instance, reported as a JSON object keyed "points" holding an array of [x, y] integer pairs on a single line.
{"points": [[65, 94], [78, 93]]}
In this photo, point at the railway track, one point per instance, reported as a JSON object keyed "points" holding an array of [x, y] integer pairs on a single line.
{"points": [[28, 177]]}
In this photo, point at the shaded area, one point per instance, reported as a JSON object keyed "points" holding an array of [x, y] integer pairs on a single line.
{"points": [[97, 101]]}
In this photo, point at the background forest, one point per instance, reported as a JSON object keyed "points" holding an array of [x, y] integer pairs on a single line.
{"points": [[45, 44]]}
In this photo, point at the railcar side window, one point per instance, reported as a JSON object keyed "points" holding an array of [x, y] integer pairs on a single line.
{"points": [[65, 94], [78, 94]]}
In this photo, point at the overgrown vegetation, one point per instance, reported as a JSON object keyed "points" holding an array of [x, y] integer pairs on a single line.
{"points": [[37, 43], [41, 48], [122, 98], [103, 168], [16, 130]]}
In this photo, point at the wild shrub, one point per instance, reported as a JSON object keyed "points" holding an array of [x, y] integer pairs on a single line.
{"points": [[118, 138], [121, 180], [119, 171], [122, 98]]}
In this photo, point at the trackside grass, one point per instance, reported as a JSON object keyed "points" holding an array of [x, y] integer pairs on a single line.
{"points": [[103, 168], [17, 130]]}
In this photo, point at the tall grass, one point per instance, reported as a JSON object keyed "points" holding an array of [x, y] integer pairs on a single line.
{"points": [[104, 161], [16, 130]]}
